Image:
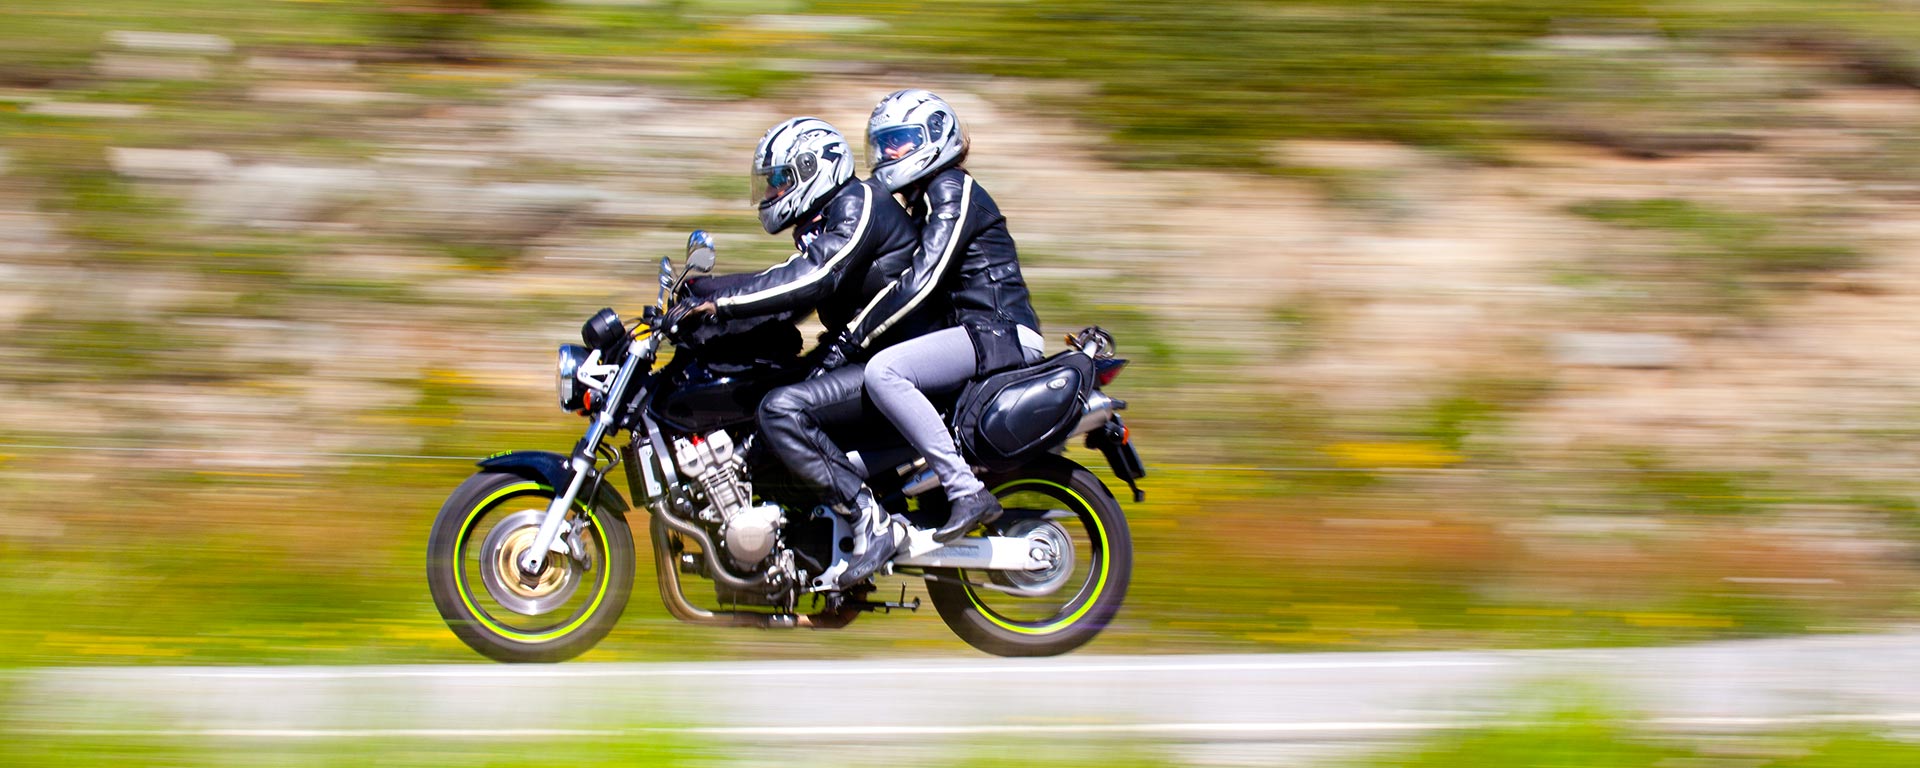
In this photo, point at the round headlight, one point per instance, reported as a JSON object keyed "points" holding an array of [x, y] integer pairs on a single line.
{"points": [[571, 393]]}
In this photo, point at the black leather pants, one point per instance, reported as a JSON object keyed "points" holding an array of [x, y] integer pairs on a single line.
{"points": [[791, 420]]}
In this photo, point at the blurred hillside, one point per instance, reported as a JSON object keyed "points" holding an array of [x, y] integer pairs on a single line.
{"points": [[1455, 322]]}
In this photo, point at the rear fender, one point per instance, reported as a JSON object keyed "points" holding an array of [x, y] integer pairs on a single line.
{"points": [[551, 468], [1058, 464], [1114, 441]]}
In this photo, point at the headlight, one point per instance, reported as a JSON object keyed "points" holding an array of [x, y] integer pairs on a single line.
{"points": [[571, 393]]}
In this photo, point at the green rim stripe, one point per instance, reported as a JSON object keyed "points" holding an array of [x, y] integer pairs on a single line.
{"points": [[459, 562], [1106, 554]]}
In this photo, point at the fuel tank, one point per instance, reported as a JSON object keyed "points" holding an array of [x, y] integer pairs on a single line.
{"points": [[702, 396]]}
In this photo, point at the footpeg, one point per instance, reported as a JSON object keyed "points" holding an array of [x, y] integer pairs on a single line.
{"points": [[829, 581], [919, 541], [888, 606]]}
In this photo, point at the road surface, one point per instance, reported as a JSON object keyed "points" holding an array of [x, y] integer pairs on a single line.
{"points": [[1259, 708]]}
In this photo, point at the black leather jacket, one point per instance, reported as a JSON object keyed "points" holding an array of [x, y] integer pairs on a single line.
{"points": [[966, 271], [849, 252]]}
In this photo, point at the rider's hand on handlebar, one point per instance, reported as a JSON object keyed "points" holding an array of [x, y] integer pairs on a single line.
{"points": [[685, 310]]}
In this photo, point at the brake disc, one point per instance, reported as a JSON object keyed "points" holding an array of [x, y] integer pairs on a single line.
{"points": [[500, 552]]}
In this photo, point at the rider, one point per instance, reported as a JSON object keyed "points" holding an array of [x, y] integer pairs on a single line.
{"points": [[966, 265], [852, 237]]}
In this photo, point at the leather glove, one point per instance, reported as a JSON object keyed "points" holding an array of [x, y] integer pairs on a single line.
{"points": [[840, 351], [682, 312]]}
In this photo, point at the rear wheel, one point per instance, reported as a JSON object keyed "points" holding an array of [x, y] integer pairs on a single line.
{"points": [[478, 536], [1052, 612]]}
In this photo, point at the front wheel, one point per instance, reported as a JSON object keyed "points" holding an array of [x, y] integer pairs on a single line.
{"points": [[478, 537], [1044, 614]]}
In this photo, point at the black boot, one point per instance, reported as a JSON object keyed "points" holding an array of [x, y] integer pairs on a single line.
{"points": [[874, 540], [969, 511]]}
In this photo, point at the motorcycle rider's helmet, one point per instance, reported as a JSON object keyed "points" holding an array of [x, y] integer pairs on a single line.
{"points": [[799, 164], [912, 135]]}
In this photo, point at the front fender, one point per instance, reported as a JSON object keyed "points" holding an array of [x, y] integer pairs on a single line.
{"points": [[551, 468]]}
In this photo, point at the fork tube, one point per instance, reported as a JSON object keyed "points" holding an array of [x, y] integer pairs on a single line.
{"points": [[545, 540]]}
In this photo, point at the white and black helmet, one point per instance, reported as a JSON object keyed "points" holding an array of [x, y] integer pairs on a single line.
{"points": [[797, 166], [913, 134]]}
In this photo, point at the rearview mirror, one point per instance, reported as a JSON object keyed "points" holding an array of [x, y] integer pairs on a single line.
{"points": [[701, 260], [700, 252]]}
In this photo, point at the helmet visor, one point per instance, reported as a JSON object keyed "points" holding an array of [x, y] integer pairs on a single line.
{"points": [[773, 183], [894, 142]]}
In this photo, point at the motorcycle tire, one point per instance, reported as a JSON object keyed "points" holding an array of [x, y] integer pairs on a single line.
{"points": [[970, 611], [462, 597]]}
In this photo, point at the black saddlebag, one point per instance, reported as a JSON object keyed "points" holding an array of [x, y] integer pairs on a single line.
{"points": [[1005, 420]]}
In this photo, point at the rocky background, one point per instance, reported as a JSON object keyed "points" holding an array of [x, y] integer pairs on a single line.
{"points": [[1453, 323]]}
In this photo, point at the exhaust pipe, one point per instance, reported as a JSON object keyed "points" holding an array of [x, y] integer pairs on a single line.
{"points": [[671, 594], [1100, 408], [715, 570]]}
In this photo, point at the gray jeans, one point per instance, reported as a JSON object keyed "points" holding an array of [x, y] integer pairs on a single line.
{"points": [[898, 380]]}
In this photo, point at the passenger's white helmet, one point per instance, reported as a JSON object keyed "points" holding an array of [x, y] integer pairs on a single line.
{"points": [[913, 134], [799, 164]]}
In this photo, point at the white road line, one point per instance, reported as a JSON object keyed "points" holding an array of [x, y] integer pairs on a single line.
{"points": [[331, 733], [836, 732], [467, 672], [841, 732]]}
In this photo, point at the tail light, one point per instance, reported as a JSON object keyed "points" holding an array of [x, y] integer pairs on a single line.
{"points": [[1105, 371]]}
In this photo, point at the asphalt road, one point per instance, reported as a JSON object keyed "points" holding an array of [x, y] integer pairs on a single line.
{"points": [[1256, 707]]}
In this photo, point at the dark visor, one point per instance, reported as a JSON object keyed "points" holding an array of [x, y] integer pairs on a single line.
{"points": [[894, 142]]}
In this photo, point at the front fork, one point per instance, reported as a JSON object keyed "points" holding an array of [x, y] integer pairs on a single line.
{"points": [[534, 560], [547, 540]]}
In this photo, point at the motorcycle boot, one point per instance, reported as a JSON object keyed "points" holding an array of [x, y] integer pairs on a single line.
{"points": [[876, 536], [969, 511]]}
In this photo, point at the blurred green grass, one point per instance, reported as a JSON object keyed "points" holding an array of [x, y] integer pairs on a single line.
{"points": [[1585, 736]]}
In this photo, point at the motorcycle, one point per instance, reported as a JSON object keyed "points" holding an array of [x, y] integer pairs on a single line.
{"points": [[532, 559]]}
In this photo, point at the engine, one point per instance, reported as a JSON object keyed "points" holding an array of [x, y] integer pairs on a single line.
{"points": [[747, 533]]}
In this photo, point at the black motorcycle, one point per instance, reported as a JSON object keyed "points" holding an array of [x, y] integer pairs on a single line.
{"points": [[531, 559]]}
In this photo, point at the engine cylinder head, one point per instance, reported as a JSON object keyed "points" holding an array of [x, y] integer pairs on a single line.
{"points": [[747, 533]]}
